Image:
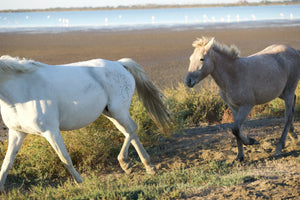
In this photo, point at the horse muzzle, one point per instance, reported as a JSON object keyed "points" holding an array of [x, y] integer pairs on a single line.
{"points": [[190, 81]]}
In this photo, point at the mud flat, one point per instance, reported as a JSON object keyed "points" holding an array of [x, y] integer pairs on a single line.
{"points": [[164, 53]]}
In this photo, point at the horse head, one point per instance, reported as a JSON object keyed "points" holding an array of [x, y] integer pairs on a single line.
{"points": [[201, 64]]}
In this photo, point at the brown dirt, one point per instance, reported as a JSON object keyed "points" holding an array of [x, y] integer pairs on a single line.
{"points": [[269, 177], [164, 55]]}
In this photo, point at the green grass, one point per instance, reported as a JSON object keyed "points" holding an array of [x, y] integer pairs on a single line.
{"points": [[190, 106], [165, 185], [37, 172]]}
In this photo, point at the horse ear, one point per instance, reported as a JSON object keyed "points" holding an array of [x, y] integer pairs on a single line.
{"points": [[210, 43]]}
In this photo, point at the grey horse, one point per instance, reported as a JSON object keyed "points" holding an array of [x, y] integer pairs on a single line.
{"points": [[248, 81]]}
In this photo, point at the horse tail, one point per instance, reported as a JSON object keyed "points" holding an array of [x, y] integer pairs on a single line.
{"points": [[151, 97], [13, 65]]}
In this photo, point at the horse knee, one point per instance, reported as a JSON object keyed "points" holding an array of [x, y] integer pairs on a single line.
{"points": [[122, 121], [236, 131], [131, 127]]}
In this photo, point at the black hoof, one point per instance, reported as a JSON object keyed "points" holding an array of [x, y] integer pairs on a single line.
{"points": [[238, 159], [252, 141]]}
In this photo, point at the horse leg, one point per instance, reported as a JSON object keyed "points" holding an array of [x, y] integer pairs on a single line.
{"points": [[240, 116], [56, 141], [240, 156], [292, 133], [123, 155], [289, 116], [15, 141], [127, 126], [144, 156]]}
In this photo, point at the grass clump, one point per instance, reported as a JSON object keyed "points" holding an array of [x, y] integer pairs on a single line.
{"points": [[191, 106]]}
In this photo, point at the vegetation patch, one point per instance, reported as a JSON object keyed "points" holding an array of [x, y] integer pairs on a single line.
{"points": [[194, 161]]}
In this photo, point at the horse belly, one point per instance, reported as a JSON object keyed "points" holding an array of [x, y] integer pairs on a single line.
{"points": [[269, 90], [262, 99], [82, 111]]}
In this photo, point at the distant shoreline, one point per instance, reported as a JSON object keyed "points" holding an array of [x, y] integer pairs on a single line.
{"points": [[176, 27], [154, 6]]}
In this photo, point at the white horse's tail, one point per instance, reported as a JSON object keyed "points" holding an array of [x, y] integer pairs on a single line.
{"points": [[13, 65], [151, 97]]}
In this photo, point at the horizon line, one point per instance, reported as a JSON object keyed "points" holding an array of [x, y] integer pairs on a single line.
{"points": [[153, 6]]}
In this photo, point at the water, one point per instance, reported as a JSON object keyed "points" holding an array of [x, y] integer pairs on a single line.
{"points": [[149, 18]]}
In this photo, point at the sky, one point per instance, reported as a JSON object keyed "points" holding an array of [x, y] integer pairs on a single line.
{"points": [[42, 4]]}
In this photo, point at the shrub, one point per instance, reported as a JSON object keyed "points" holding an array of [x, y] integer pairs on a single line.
{"points": [[191, 106]]}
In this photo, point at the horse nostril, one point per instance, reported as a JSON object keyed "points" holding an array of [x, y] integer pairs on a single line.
{"points": [[188, 82]]}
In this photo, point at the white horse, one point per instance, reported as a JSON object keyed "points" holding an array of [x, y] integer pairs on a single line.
{"points": [[41, 99], [247, 81]]}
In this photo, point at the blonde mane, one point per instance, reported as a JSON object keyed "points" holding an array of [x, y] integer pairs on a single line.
{"points": [[232, 51], [16, 65]]}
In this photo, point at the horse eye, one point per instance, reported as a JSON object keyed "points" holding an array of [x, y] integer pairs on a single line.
{"points": [[202, 59]]}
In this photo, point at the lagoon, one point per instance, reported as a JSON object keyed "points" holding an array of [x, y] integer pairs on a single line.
{"points": [[58, 21]]}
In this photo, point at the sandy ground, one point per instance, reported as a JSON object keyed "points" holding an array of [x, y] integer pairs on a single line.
{"points": [[165, 56], [163, 53]]}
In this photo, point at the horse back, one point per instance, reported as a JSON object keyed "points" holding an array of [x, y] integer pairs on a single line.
{"points": [[280, 56], [277, 49]]}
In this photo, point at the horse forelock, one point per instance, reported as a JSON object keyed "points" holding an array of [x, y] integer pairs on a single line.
{"points": [[17, 65], [201, 42], [232, 51]]}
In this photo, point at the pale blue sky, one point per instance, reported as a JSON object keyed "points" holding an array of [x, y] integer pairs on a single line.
{"points": [[37, 4]]}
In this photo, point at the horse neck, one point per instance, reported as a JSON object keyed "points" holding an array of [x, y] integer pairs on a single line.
{"points": [[4, 101], [7, 89], [4, 77], [223, 69]]}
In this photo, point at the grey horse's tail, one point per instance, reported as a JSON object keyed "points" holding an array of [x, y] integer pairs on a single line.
{"points": [[151, 97]]}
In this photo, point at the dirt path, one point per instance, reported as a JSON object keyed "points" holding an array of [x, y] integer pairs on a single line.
{"points": [[269, 177]]}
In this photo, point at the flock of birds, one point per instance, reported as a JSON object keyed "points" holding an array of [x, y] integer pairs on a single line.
{"points": [[65, 22]]}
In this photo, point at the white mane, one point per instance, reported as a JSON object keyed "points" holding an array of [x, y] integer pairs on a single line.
{"points": [[231, 51], [10, 64]]}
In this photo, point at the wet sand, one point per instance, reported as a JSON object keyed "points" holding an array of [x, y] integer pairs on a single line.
{"points": [[164, 53]]}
